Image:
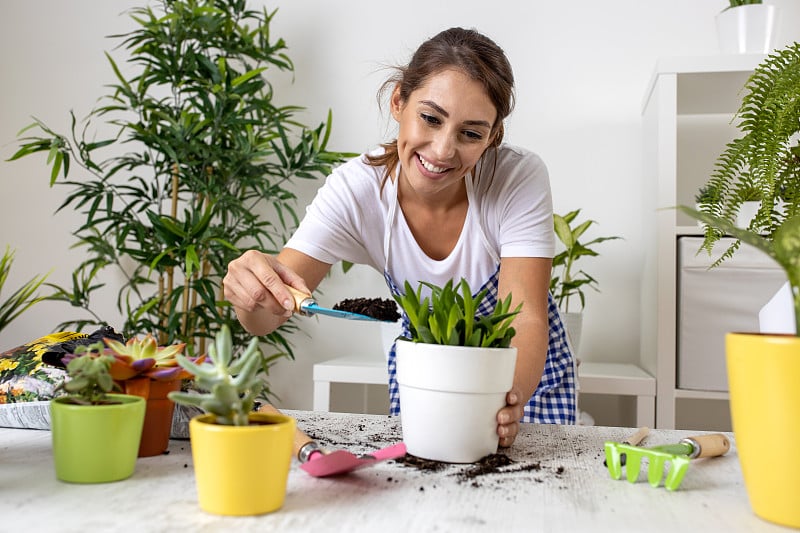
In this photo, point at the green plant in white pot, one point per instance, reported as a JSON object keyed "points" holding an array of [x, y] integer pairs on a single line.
{"points": [[241, 458], [764, 369], [567, 281], [747, 27], [453, 372], [95, 433]]}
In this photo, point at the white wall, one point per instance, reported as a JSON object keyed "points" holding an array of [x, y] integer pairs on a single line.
{"points": [[581, 67]]}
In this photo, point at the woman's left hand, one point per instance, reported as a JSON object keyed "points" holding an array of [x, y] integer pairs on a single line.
{"points": [[508, 418]]}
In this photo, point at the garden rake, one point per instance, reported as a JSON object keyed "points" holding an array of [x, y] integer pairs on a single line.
{"points": [[678, 455]]}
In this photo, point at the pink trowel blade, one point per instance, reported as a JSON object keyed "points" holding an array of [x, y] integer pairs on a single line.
{"points": [[321, 463]]}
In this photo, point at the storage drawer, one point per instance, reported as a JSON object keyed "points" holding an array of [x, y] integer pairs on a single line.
{"points": [[714, 302]]}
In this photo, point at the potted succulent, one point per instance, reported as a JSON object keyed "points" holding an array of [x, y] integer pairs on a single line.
{"points": [[567, 283], [143, 368], [453, 372], [241, 458], [95, 433], [764, 369], [747, 27]]}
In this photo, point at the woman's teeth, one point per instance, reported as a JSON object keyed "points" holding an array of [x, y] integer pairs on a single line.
{"points": [[429, 167]]}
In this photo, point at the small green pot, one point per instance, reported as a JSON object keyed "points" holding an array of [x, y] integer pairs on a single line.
{"points": [[96, 443]]}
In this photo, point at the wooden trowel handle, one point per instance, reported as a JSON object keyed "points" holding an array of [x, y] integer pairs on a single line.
{"points": [[300, 438], [710, 445], [299, 298]]}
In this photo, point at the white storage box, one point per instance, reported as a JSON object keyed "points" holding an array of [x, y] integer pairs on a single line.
{"points": [[714, 302]]}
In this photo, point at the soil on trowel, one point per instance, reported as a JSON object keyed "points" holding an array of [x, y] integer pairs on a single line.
{"points": [[379, 308]]}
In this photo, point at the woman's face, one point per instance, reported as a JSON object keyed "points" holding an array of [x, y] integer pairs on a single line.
{"points": [[444, 128]]}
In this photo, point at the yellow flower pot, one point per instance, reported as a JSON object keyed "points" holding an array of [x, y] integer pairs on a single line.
{"points": [[242, 470], [764, 381]]}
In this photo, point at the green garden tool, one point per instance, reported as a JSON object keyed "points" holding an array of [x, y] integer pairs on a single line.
{"points": [[678, 455]]}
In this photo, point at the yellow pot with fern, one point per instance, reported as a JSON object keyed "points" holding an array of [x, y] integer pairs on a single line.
{"points": [[763, 376]]}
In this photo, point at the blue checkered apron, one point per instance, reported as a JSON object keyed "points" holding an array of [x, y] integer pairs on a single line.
{"points": [[555, 400]]}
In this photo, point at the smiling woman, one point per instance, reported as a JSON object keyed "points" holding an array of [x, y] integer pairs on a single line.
{"points": [[445, 200]]}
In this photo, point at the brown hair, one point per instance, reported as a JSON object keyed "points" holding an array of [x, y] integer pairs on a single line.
{"points": [[468, 51]]}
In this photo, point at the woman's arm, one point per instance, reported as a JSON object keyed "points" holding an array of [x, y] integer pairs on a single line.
{"points": [[528, 280], [254, 284]]}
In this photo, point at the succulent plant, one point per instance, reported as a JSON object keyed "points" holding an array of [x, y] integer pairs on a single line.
{"points": [[143, 357], [448, 316], [90, 379], [230, 381]]}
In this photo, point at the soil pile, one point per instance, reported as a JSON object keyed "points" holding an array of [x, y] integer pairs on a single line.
{"points": [[379, 308]]}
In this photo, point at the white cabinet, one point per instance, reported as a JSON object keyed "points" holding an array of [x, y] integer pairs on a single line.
{"points": [[687, 120]]}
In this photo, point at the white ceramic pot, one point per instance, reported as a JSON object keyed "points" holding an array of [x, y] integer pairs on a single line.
{"points": [[747, 29], [573, 323], [389, 332], [747, 212], [449, 399]]}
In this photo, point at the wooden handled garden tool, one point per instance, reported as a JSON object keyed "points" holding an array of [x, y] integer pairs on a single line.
{"points": [[305, 304], [322, 463], [678, 455]]}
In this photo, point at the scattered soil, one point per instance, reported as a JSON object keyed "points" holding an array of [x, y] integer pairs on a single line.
{"points": [[424, 465], [379, 308], [496, 463]]}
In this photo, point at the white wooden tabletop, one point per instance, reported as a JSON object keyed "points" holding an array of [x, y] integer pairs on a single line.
{"points": [[555, 482]]}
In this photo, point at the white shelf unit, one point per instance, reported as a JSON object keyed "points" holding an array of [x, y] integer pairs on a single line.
{"points": [[687, 120]]}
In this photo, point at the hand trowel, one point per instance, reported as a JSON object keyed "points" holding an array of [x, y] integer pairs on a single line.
{"points": [[322, 463], [305, 304]]}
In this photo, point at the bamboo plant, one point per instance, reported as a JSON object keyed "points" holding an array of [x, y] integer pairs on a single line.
{"points": [[199, 167]]}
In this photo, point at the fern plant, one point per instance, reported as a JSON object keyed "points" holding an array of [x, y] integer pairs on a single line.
{"points": [[766, 158], [447, 316]]}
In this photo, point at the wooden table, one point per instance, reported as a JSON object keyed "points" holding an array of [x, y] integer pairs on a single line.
{"points": [[557, 482]]}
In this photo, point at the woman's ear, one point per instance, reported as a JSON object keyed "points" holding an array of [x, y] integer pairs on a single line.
{"points": [[396, 103]]}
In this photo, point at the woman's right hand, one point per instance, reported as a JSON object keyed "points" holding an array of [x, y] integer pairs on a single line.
{"points": [[255, 285]]}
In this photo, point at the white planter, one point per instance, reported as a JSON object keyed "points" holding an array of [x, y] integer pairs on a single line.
{"points": [[573, 323], [748, 29], [747, 212], [449, 399], [389, 332]]}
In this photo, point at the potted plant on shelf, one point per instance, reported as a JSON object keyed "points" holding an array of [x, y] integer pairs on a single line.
{"points": [[764, 369], [565, 282], [95, 433], [747, 27], [187, 161], [241, 458], [453, 372]]}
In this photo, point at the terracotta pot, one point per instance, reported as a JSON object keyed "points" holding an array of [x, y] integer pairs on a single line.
{"points": [[242, 470], [763, 376], [449, 399], [158, 416], [96, 443]]}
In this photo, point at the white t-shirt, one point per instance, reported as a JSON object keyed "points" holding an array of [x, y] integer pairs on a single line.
{"points": [[510, 205]]}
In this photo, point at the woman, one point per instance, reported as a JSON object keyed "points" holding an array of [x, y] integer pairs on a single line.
{"points": [[445, 200]]}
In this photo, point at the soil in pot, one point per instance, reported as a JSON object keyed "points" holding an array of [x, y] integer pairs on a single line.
{"points": [[379, 308]]}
